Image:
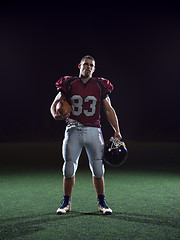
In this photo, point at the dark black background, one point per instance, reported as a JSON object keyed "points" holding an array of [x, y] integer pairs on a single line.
{"points": [[136, 46]]}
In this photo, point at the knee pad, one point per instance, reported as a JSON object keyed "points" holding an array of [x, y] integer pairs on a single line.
{"points": [[69, 169], [97, 168]]}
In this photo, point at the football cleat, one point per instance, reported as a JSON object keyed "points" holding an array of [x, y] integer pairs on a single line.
{"points": [[102, 206], [65, 207], [115, 152]]}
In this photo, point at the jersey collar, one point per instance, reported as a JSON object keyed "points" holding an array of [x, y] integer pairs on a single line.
{"points": [[85, 84]]}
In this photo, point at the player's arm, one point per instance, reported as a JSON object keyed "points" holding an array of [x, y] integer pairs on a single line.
{"points": [[111, 117], [56, 115]]}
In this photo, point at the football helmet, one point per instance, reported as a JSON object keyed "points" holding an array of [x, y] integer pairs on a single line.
{"points": [[115, 152]]}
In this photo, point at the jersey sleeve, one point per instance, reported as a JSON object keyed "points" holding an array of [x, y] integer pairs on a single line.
{"points": [[61, 84], [108, 87]]}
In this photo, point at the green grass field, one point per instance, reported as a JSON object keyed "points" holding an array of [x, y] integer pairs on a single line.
{"points": [[145, 204]]}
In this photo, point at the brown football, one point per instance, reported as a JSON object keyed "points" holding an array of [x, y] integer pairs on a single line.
{"points": [[63, 107]]}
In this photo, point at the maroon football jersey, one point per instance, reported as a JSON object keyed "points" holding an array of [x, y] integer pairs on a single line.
{"points": [[85, 98]]}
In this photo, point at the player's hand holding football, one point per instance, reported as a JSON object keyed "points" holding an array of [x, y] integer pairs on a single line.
{"points": [[63, 110], [59, 116]]}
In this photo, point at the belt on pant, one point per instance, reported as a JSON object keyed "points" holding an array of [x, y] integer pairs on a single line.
{"points": [[72, 122]]}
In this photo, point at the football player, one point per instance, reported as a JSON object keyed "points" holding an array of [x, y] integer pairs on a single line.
{"points": [[86, 95]]}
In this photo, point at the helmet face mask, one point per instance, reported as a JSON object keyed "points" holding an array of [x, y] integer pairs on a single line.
{"points": [[115, 152]]}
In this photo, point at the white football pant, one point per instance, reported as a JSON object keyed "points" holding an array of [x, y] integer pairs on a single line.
{"points": [[77, 137]]}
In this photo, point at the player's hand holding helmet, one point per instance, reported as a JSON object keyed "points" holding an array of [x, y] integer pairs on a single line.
{"points": [[115, 152]]}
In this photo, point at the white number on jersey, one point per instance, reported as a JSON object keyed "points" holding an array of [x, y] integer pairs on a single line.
{"points": [[77, 102]]}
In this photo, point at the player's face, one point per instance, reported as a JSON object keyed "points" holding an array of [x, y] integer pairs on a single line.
{"points": [[87, 67]]}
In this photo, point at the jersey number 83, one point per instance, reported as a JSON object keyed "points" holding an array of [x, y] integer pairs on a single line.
{"points": [[77, 105]]}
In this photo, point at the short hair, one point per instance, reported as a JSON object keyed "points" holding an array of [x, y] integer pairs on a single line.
{"points": [[87, 57]]}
